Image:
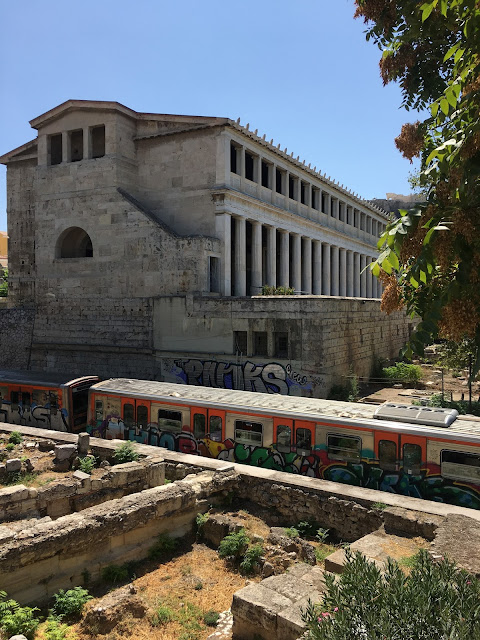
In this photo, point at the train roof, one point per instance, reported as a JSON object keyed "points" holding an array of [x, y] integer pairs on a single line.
{"points": [[48, 379], [310, 408]]}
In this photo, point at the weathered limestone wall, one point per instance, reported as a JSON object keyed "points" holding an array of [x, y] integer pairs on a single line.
{"points": [[16, 326]]}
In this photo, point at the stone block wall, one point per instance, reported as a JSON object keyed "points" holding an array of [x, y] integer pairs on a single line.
{"points": [[16, 327]]}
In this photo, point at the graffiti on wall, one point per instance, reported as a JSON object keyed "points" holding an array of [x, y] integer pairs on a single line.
{"points": [[247, 376]]}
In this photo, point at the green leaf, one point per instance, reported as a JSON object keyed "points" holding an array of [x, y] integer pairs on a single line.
{"points": [[423, 277], [427, 10], [392, 258], [458, 55], [413, 282], [375, 269], [434, 109], [386, 266], [452, 100], [444, 106], [451, 51]]}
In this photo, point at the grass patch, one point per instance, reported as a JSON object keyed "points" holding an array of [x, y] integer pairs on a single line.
{"points": [[20, 477], [379, 506], [322, 551], [164, 546]]}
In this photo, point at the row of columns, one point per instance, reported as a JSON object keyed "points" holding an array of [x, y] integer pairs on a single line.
{"points": [[314, 267]]}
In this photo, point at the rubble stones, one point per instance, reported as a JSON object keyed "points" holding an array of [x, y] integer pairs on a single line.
{"points": [[46, 445], [83, 444], [217, 527], [14, 465], [112, 608], [65, 452]]}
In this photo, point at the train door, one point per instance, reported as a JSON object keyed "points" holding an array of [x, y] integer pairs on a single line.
{"points": [[413, 453], [304, 437], [387, 449], [198, 422], [15, 413], [136, 417], [283, 434], [216, 425]]}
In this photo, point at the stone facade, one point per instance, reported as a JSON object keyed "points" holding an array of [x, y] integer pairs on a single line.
{"points": [[136, 238]]}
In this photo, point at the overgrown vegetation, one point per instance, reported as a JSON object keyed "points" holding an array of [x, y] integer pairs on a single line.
{"points": [[17, 620], [402, 372], [86, 464], [164, 545], [251, 559], [57, 630], [69, 604], [435, 601], [15, 438], [462, 406], [3, 283], [348, 392], [268, 290], [234, 545], [200, 522], [125, 452], [116, 574]]}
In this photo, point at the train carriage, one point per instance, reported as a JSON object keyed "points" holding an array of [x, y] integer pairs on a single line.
{"points": [[49, 401], [415, 451]]}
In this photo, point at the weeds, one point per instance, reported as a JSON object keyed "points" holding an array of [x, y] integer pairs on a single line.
{"points": [[163, 546], [125, 452], [15, 438], [291, 532], [200, 522], [56, 630], [210, 618], [379, 506], [251, 559], [69, 604], [162, 616], [86, 464], [114, 573], [17, 620], [234, 545]]}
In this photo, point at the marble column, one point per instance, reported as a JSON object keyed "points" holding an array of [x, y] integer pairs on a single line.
{"points": [[317, 268], [240, 276], [284, 259], [326, 270], [363, 277], [369, 277], [334, 259], [307, 265], [350, 274], [272, 256], [343, 272], [223, 229], [356, 289], [297, 263], [257, 279]]}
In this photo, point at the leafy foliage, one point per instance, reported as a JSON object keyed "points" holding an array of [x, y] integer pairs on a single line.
{"points": [[162, 616], [17, 620], [56, 630], [267, 290], [15, 437], [210, 618], [234, 545], [430, 256], [86, 464], [291, 532], [69, 604], [251, 559], [405, 373], [3, 283], [125, 452], [200, 522], [163, 546], [435, 601], [115, 573]]}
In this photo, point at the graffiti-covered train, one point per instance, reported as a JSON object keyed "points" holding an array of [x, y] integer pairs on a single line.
{"points": [[415, 451]]}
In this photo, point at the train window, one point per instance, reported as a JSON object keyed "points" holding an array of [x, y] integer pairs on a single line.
{"points": [[199, 425], [39, 397], [169, 420], [216, 428], [26, 400], [387, 455], [249, 432], [128, 415], [460, 465], [284, 438], [304, 441], [142, 417], [99, 411], [53, 401], [412, 459], [14, 399], [344, 448]]}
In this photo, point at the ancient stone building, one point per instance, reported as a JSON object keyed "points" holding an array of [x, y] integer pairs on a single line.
{"points": [[137, 239]]}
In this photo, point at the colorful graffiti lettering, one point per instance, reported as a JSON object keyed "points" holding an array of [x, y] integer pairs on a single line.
{"points": [[248, 376]]}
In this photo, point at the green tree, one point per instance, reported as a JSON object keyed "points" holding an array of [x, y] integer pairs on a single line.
{"points": [[430, 257]]}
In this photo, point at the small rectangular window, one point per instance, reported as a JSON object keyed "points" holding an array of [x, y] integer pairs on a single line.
{"points": [[344, 448], [278, 181], [284, 438], [249, 433], [76, 145], [260, 343], [55, 148], [240, 342], [214, 274], [199, 425], [303, 441], [387, 455], [216, 428], [98, 141], [315, 198], [281, 344], [412, 459], [128, 415], [234, 159], [99, 410], [460, 465], [265, 174], [303, 192], [249, 166], [291, 188], [170, 420]]}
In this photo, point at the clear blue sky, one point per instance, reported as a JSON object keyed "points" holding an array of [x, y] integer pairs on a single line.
{"points": [[301, 72]]}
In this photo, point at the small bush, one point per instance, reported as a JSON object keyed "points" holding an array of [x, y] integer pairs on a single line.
{"points": [[250, 559], [307, 528], [69, 604], [408, 374], [10, 446], [15, 438], [322, 534], [163, 615], [210, 618], [200, 521], [125, 452], [86, 464], [115, 573], [56, 630], [380, 506], [291, 532], [16, 620], [163, 546], [234, 545], [198, 586]]}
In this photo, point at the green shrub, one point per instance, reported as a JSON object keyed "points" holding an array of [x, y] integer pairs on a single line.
{"points": [[69, 604], [16, 620], [125, 452], [234, 545], [162, 616], [163, 546], [435, 601], [210, 618], [200, 521], [10, 446], [250, 559], [115, 573], [307, 528], [380, 506], [408, 374], [15, 437], [56, 630], [322, 534], [86, 464], [291, 532], [268, 290]]}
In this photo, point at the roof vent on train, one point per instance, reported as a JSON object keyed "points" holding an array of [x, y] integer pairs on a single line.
{"points": [[431, 416]]}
